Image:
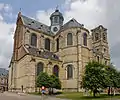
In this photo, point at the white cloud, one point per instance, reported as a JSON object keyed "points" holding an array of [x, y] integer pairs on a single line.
{"points": [[5, 7], [6, 43], [1, 18], [6, 37], [44, 16], [1, 6], [87, 12]]}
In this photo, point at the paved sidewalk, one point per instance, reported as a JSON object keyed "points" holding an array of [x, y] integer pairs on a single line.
{"points": [[22, 96]]}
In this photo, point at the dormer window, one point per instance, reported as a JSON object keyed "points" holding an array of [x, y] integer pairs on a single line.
{"points": [[39, 27], [32, 22], [55, 56], [29, 24]]}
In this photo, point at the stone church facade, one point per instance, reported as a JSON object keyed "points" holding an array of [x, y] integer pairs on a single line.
{"points": [[59, 49]]}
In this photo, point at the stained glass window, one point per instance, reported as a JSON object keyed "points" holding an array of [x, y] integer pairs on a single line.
{"points": [[47, 44], [85, 39], [69, 39], [69, 71], [56, 70], [39, 68], [34, 39]]}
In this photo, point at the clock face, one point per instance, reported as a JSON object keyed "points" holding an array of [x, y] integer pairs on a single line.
{"points": [[55, 29]]}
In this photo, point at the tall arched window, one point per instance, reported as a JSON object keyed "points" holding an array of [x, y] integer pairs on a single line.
{"points": [[57, 42], [96, 36], [69, 71], [85, 39], [56, 70], [33, 39], [39, 68], [104, 36], [55, 19], [69, 39], [98, 58], [105, 62], [47, 44]]}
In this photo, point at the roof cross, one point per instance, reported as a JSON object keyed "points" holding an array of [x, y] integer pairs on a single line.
{"points": [[57, 7]]}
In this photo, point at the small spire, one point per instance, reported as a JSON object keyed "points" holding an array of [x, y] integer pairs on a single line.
{"points": [[19, 14]]}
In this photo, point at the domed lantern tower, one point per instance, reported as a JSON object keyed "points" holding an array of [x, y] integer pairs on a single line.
{"points": [[56, 21]]}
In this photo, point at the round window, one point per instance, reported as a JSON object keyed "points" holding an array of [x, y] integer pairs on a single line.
{"points": [[55, 29]]}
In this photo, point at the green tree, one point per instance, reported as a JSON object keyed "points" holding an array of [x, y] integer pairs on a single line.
{"points": [[95, 77], [43, 80], [54, 83], [114, 78]]}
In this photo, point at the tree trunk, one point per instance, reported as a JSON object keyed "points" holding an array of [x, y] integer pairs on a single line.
{"points": [[109, 90], [114, 91], [39, 89], [52, 90], [49, 91], [94, 92]]}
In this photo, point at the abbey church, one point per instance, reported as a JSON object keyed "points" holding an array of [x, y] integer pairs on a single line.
{"points": [[59, 49]]}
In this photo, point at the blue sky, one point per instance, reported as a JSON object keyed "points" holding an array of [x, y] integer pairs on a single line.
{"points": [[29, 7], [91, 13], [32, 5]]}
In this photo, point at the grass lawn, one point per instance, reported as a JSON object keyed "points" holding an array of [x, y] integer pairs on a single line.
{"points": [[79, 96]]}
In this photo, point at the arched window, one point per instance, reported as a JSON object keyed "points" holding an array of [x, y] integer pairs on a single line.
{"points": [[69, 39], [39, 68], [57, 47], [104, 36], [69, 71], [34, 40], [98, 59], [47, 44], [96, 36], [105, 62], [55, 19], [85, 39], [56, 70]]}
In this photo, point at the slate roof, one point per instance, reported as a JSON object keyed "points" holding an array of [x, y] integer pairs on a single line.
{"points": [[42, 53], [71, 23], [36, 25], [3, 72], [100, 27], [57, 13], [46, 29]]}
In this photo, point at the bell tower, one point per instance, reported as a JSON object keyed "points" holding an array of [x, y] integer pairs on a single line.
{"points": [[56, 21], [100, 45]]}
